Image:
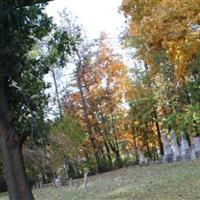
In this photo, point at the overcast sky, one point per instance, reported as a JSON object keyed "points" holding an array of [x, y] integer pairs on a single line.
{"points": [[94, 15]]}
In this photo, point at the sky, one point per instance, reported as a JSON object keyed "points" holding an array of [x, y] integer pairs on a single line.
{"points": [[94, 15]]}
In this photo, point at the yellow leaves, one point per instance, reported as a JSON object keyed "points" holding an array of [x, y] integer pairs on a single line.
{"points": [[166, 24], [180, 52], [133, 29]]}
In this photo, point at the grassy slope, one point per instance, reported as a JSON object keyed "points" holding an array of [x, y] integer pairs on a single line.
{"points": [[158, 182]]}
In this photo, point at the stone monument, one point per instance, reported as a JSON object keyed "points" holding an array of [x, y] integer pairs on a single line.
{"points": [[175, 148], [185, 150], [142, 159], [168, 155], [196, 142]]}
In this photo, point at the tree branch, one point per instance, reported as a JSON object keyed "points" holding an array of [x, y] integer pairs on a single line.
{"points": [[23, 3]]}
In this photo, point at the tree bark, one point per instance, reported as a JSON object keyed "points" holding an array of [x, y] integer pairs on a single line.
{"points": [[86, 115], [14, 170], [159, 134], [57, 93], [117, 154]]}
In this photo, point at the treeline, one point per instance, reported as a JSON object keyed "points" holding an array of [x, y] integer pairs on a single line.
{"points": [[123, 110], [108, 111]]}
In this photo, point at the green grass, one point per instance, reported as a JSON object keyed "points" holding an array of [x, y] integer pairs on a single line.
{"points": [[157, 182]]}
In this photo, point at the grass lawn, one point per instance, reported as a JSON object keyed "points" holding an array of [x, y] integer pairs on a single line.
{"points": [[157, 182]]}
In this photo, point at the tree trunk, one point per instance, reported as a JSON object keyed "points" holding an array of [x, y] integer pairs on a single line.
{"points": [[86, 115], [56, 91], [117, 155], [108, 155], [136, 150], [159, 134], [14, 170], [11, 148]]}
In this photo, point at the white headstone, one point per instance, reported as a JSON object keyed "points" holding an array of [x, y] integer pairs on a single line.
{"points": [[142, 159], [175, 148], [185, 149], [58, 183], [167, 146], [196, 142], [85, 181], [184, 144], [70, 183], [168, 155]]}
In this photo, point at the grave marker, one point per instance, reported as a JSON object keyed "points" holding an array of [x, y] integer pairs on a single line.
{"points": [[168, 155]]}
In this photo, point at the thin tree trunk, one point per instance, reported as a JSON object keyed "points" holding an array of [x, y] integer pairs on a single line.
{"points": [[135, 147], [146, 136], [56, 90], [86, 118], [159, 134], [117, 154], [108, 154]]}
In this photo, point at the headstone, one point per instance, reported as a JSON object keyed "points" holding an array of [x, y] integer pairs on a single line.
{"points": [[142, 159], [85, 181], [40, 184], [37, 186], [185, 150], [62, 175], [168, 155], [175, 148], [58, 183], [70, 184], [196, 142], [192, 152]]}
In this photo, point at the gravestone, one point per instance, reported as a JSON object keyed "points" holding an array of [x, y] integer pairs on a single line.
{"points": [[85, 181], [175, 148], [58, 182], [70, 183], [168, 155], [39, 182], [142, 159], [185, 150], [196, 142]]}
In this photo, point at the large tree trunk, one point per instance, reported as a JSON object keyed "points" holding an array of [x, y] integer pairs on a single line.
{"points": [[11, 148], [14, 169]]}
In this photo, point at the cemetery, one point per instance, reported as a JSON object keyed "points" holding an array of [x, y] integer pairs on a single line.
{"points": [[99, 100], [179, 180], [175, 176], [174, 152]]}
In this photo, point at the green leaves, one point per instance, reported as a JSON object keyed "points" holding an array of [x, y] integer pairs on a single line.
{"points": [[64, 40], [23, 66], [70, 128]]}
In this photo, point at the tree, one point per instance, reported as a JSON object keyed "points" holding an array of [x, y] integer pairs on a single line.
{"points": [[66, 142], [22, 98], [97, 100], [20, 27], [165, 25], [166, 36]]}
